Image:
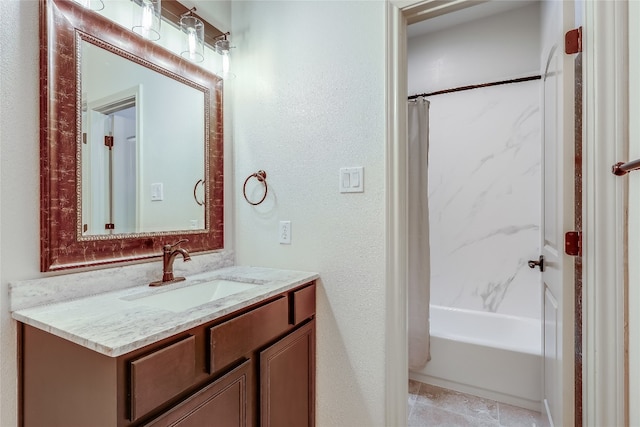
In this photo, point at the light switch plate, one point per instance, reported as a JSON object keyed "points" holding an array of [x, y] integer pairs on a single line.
{"points": [[157, 192], [352, 180]]}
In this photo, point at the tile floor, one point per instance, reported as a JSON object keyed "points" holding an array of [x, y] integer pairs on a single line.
{"points": [[434, 406]]}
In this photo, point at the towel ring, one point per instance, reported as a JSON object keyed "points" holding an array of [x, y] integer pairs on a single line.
{"points": [[261, 176], [195, 187]]}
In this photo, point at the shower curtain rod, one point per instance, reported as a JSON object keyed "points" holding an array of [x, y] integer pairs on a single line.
{"points": [[461, 88]]}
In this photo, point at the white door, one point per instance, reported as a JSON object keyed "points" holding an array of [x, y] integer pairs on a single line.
{"points": [[95, 186], [124, 171], [558, 217], [110, 182]]}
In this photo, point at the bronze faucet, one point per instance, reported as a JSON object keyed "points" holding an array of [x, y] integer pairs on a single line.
{"points": [[168, 256]]}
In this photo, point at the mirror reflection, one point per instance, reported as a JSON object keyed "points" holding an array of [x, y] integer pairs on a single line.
{"points": [[143, 148], [161, 181]]}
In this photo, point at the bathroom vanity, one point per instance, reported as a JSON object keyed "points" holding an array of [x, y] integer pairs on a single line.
{"points": [[231, 346], [128, 358]]}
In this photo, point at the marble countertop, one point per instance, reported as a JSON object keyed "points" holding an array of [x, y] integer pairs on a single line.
{"points": [[115, 323]]}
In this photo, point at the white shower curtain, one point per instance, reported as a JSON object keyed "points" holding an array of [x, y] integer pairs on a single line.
{"points": [[419, 261]]}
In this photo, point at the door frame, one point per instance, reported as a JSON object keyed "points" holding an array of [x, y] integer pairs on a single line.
{"points": [[605, 389], [634, 220], [605, 130]]}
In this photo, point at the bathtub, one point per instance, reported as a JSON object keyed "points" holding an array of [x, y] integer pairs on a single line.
{"points": [[485, 354]]}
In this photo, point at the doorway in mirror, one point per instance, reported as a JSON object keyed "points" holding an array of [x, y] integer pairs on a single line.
{"points": [[111, 179]]}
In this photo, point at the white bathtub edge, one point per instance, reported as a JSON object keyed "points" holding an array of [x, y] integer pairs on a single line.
{"points": [[476, 391], [485, 354]]}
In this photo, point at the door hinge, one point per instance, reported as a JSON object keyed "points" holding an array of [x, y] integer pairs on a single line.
{"points": [[573, 41], [573, 243], [109, 226], [108, 141], [85, 228], [84, 137]]}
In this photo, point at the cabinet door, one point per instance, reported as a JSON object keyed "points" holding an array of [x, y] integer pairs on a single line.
{"points": [[223, 403], [287, 380]]}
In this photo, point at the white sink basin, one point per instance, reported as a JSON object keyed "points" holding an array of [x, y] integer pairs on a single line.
{"points": [[186, 297]]}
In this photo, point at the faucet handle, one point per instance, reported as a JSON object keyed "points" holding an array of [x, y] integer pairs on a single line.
{"points": [[169, 247]]}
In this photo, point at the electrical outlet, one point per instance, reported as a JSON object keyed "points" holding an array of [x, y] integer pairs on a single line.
{"points": [[284, 232]]}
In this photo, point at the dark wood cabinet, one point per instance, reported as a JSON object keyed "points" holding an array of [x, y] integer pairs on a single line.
{"points": [[243, 334], [161, 375], [287, 380], [223, 403], [252, 367]]}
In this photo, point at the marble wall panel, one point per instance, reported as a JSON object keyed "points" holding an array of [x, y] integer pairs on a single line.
{"points": [[484, 195]]}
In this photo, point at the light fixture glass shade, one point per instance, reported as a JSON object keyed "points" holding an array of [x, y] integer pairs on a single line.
{"points": [[193, 38], [147, 15], [223, 47], [91, 4], [225, 63]]}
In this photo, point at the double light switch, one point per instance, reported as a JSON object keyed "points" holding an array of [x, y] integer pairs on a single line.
{"points": [[352, 180]]}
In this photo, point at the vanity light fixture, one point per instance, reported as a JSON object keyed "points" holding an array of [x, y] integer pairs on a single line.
{"points": [[92, 4], [193, 29], [223, 47], [147, 17]]}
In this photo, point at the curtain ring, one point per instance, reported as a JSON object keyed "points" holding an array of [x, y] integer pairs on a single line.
{"points": [[261, 176], [195, 187]]}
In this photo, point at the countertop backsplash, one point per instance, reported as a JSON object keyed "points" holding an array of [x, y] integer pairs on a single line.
{"points": [[53, 289]]}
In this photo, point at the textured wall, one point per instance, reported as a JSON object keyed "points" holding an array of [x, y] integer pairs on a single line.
{"points": [[309, 99], [19, 177]]}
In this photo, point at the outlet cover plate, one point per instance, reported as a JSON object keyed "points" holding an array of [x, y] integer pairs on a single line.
{"points": [[284, 232]]}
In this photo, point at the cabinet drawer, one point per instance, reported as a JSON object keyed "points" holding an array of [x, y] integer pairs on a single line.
{"points": [[161, 375], [236, 337], [304, 304]]}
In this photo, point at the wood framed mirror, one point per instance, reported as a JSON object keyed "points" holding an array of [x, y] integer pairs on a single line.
{"points": [[97, 208]]}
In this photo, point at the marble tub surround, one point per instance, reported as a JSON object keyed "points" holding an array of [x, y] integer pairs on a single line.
{"points": [[113, 323], [484, 199], [52, 289]]}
